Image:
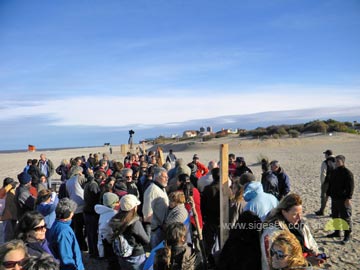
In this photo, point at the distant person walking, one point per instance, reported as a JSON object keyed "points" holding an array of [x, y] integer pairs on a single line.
{"points": [[341, 189], [171, 158], [327, 167]]}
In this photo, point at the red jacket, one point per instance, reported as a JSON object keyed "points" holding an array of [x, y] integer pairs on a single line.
{"points": [[196, 198], [201, 170]]}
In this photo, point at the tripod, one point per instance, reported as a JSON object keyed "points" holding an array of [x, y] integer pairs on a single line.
{"points": [[189, 199]]}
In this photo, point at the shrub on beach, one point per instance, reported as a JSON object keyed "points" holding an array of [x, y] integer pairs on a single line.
{"points": [[294, 133]]}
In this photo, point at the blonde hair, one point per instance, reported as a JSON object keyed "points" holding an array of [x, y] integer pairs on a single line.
{"points": [[64, 162], [292, 248], [177, 197]]}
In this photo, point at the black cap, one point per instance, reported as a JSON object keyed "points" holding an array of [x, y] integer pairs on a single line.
{"points": [[240, 159], [328, 152]]}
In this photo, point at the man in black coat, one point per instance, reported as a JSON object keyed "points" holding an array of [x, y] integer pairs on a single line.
{"points": [[210, 210], [341, 188]]}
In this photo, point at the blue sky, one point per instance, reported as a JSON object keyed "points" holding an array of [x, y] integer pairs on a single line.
{"points": [[71, 65]]}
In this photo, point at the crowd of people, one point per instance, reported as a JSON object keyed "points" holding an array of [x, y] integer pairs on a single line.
{"points": [[137, 214]]}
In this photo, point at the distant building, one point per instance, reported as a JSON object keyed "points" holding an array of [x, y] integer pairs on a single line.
{"points": [[209, 129], [205, 133], [202, 129], [190, 133]]}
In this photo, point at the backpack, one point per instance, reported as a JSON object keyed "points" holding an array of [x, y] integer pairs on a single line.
{"points": [[271, 184], [122, 247]]}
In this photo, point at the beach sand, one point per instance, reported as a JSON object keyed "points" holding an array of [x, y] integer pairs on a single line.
{"points": [[301, 158]]}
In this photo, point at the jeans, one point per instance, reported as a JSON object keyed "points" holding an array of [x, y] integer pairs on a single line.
{"points": [[339, 210], [156, 237], [78, 226], [323, 196], [132, 262], [91, 227], [9, 229]]}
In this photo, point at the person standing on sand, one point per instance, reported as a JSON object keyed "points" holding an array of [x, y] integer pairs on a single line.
{"points": [[171, 158], [283, 178], [327, 167], [46, 167], [341, 189], [241, 167], [207, 179], [201, 168]]}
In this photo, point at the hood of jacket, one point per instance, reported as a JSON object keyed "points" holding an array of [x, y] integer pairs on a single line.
{"points": [[252, 189], [102, 209]]}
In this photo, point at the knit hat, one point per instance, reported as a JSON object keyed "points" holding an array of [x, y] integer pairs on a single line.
{"points": [[109, 199], [183, 169], [24, 178], [128, 202], [246, 178]]}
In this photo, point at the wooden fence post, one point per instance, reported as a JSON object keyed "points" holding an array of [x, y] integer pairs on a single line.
{"points": [[224, 193], [160, 156]]}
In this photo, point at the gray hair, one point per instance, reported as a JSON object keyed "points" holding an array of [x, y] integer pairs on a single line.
{"points": [[11, 245], [212, 164], [44, 262], [275, 163], [125, 171], [64, 208], [158, 172], [167, 166]]}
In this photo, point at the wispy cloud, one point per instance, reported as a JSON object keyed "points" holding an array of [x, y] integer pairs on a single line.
{"points": [[117, 111]]}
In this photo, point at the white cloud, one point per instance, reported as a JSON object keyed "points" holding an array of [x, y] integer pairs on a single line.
{"points": [[117, 111]]}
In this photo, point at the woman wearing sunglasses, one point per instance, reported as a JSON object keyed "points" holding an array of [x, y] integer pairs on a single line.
{"points": [[32, 229], [287, 216], [286, 253], [12, 255]]}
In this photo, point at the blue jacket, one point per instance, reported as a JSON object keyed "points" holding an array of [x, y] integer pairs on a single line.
{"points": [[64, 246], [258, 201], [283, 182], [48, 211]]}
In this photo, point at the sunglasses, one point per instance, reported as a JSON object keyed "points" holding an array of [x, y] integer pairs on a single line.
{"points": [[12, 264], [279, 254], [40, 228], [128, 177]]}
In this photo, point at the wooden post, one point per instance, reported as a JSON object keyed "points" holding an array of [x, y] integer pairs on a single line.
{"points": [[143, 148], [123, 149], [224, 193], [160, 156]]}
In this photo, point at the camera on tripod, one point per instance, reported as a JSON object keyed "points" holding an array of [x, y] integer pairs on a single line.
{"points": [[187, 187]]}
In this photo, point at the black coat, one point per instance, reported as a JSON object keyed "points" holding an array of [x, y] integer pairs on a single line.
{"points": [[210, 204], [341, 184]]}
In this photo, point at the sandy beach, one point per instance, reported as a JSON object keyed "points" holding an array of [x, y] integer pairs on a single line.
{"points": [[301, 158]]}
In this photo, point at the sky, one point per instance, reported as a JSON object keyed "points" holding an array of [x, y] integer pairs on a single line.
{"points": [[73, 71]]}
